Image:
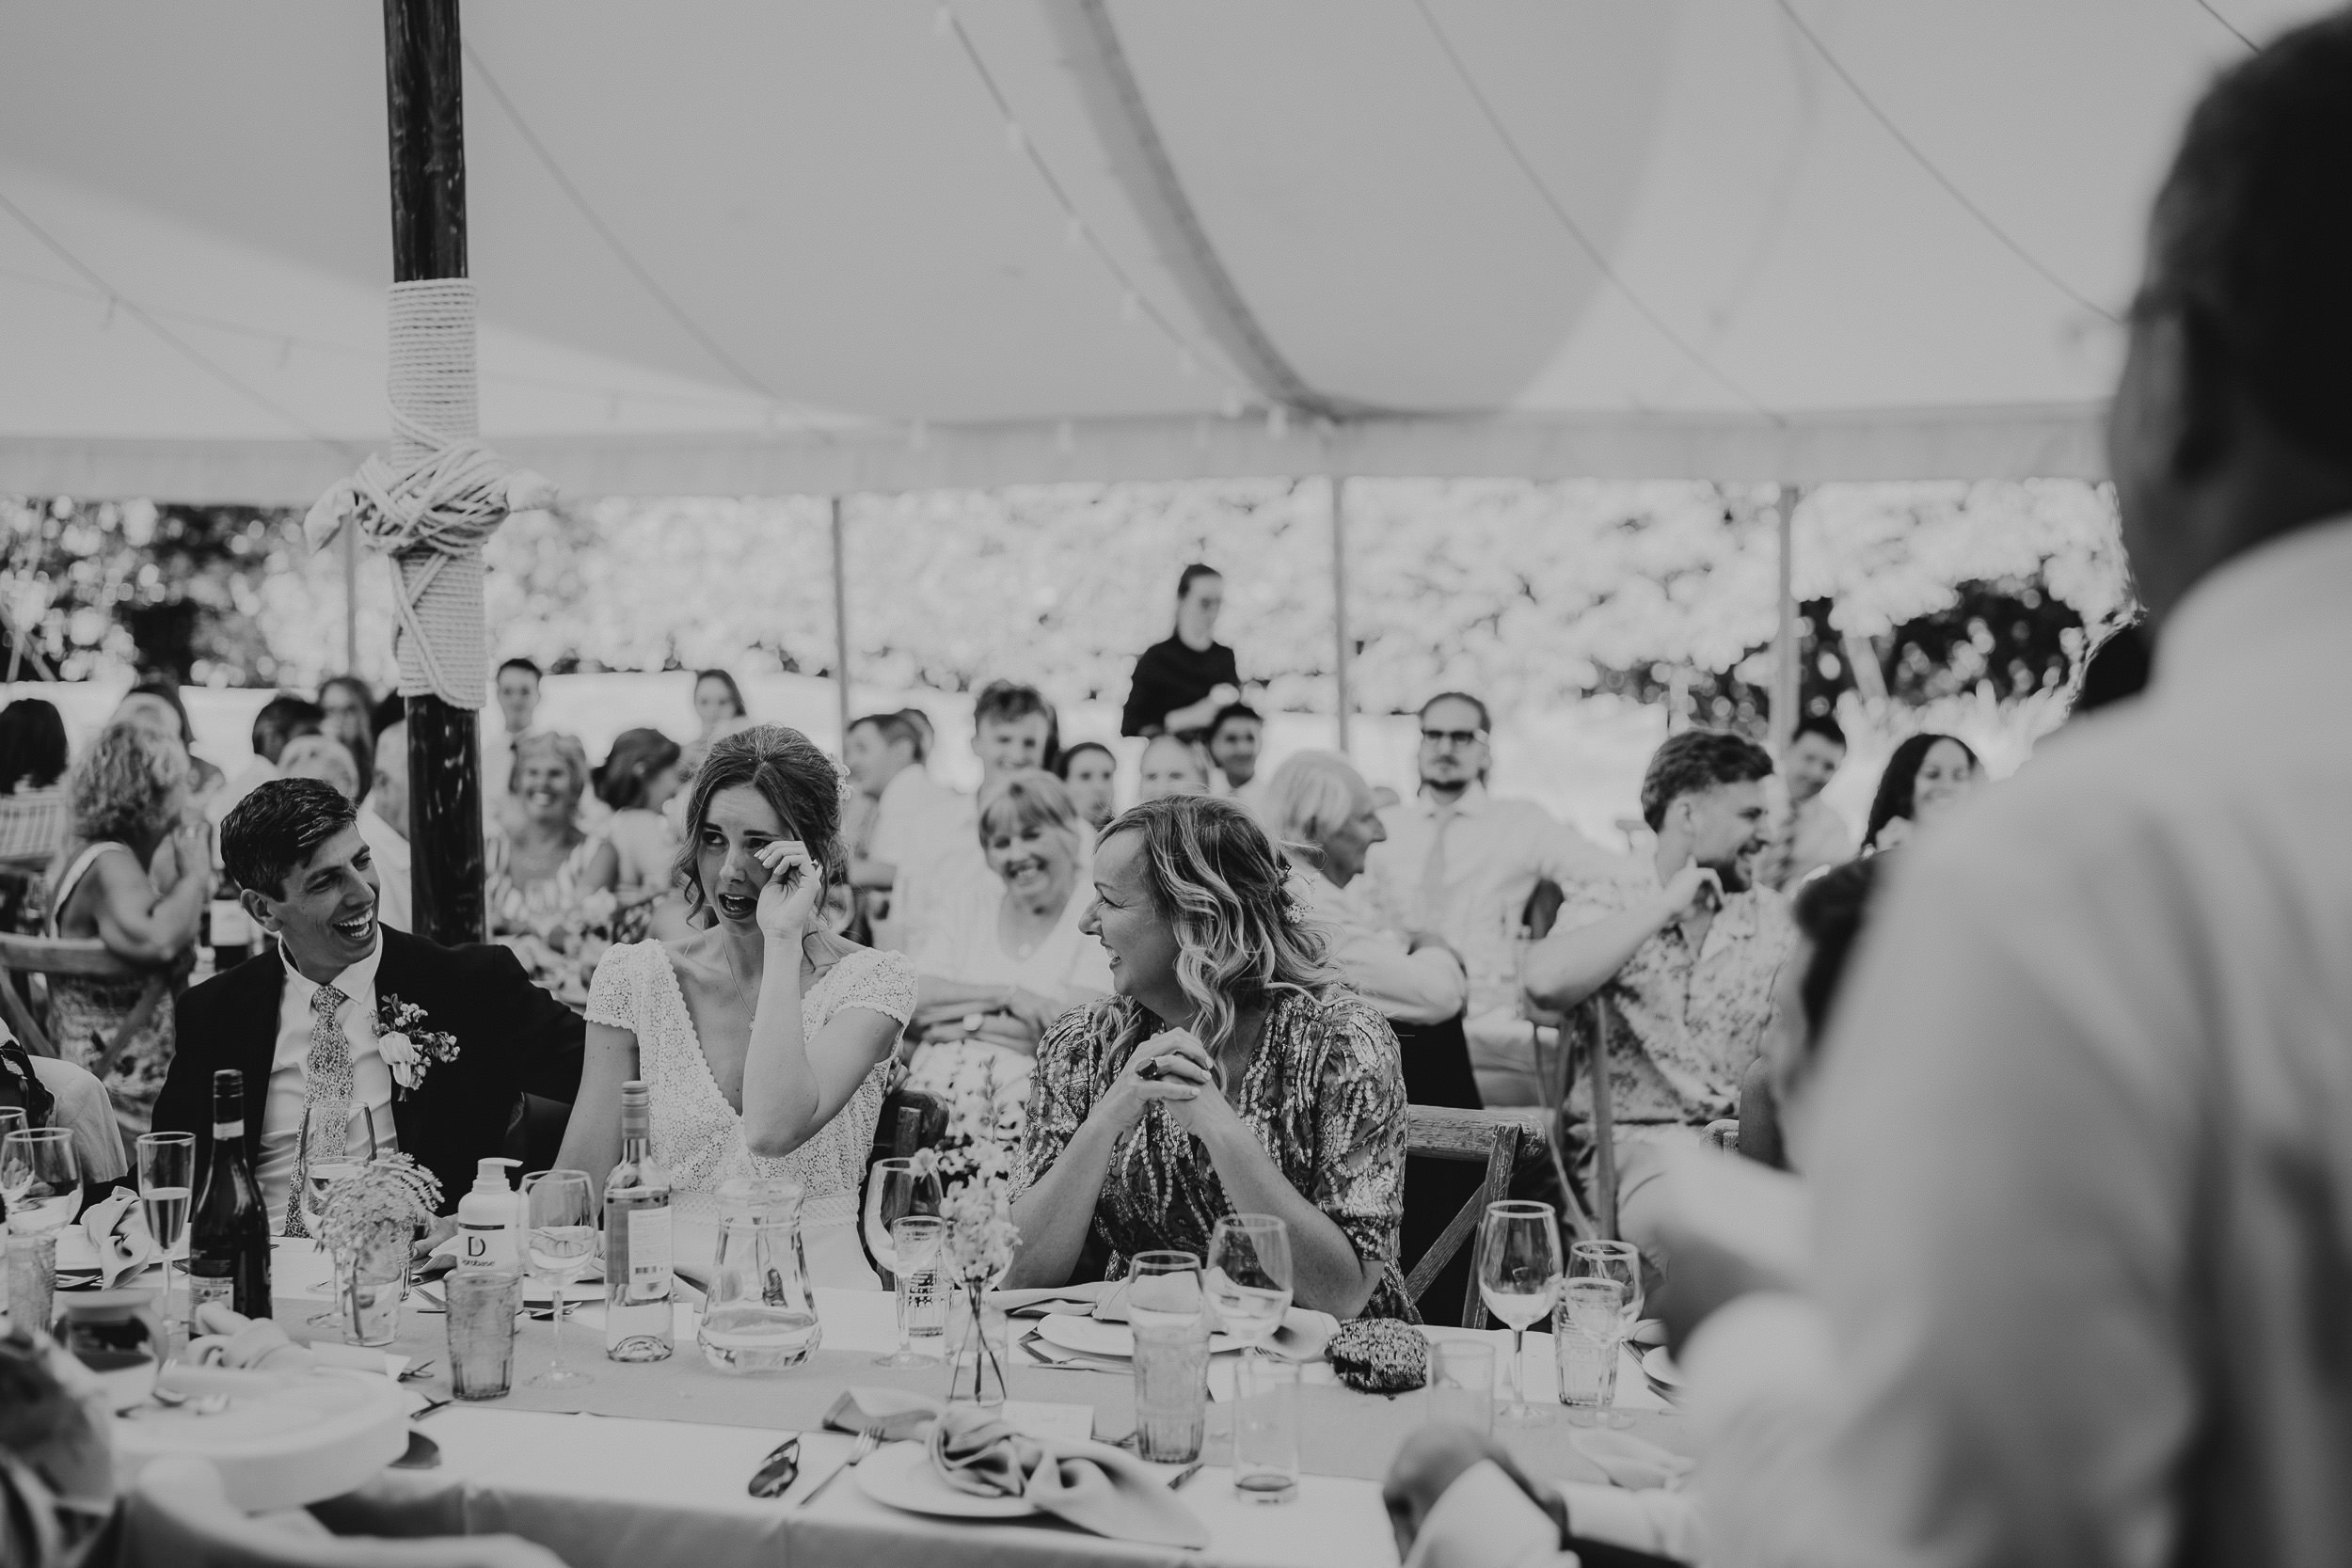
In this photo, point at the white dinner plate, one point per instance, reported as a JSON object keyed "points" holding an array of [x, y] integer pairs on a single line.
{"points": [[901, 1475], [1116, 1341], [1660, 1367]]}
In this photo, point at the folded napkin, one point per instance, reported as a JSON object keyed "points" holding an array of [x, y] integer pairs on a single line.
{"points": [[240, 1343], [1093, 1486], [1632, 1463], [117, 1229], [889, 1413]]}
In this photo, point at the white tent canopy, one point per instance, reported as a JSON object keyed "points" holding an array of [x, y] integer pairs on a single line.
{"points": [[742, 246]]}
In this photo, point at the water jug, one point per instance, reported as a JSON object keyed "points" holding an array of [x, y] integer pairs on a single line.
{"points": [[760, 1317]]}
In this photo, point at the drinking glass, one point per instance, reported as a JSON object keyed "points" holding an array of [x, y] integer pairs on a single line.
{"points": [[560, 1238], [893, 1189], [1249, 1277], [920, 1247], [1584, 1347], [41, 1178], [482, 1305], [12, 1120], [1462, 1384], [1265, 1428], [1519, 1276], [1167, 1310], [1164, 1290], [1620, 1262], [167, 1180]]}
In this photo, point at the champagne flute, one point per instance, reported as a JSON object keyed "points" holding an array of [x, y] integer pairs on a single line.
{"points": [[41, 1178], [560, 1239], [894, 1189], [1518, 1275], [1250, 1277], [1620, 1262], [167, 1180]]}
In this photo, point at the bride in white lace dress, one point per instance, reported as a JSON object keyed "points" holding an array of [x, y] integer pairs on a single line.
{"points": [[766, 1040]]}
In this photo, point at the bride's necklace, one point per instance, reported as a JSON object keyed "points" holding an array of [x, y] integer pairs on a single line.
{"points": [[750, 1000]]}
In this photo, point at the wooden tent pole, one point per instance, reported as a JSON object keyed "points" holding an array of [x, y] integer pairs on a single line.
{"points": [[841, 619], [1339, 603], [1786, 678], [425, 102]]}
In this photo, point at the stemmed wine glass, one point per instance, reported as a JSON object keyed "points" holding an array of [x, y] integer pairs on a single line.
{"points": [[894, 1189], [326, 1139], [1519, 1276], [561, 1239], [12, 1120], [1248, 1278], [1620, 1262], [41, 1178], [167, 1180]]}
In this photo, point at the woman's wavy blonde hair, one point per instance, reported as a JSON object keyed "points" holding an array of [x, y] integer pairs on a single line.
{"points": [[1242, 936], [123, 787]]}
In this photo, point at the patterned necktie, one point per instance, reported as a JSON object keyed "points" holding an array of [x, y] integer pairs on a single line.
{"points": [[326, 1081]]}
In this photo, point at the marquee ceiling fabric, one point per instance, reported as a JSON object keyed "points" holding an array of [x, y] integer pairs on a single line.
{"points": [[739, 246]]}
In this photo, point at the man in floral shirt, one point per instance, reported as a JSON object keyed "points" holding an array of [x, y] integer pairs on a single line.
{"points": [[1684, 964]]}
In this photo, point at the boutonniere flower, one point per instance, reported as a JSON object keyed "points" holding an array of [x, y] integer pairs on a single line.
{"points": [[409, 1046]]}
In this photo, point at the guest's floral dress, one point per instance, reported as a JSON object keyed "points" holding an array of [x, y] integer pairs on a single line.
{"points": [[1324, 1092], [556, 930]]}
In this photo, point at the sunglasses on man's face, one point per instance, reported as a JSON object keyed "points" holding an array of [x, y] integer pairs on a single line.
{"points": [[1451, 737]]}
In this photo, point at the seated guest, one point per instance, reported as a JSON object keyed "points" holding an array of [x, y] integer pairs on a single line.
{"points": [[1828, 911], [993, 975], [1810, 834], [134, 874], [55, 1093], [548, 882], [1928, 776], [325, 758], [349, 709], [910, 820], [639, 776], [1090, 771], [1685, 964], [282, 720], [384, 825], [1174, 766], [155, 706], [1014, 728], [35, 817], [765, 1039], [1271, 1087], [1234, 738], [301, 1019]]}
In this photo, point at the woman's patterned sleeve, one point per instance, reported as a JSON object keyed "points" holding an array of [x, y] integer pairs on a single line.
{"points": [[612, 990], [1061, 1092], [1359, 1131]]}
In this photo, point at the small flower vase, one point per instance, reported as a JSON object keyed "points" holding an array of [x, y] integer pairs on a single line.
{"points": [[370, 1280], [982, 1336]]}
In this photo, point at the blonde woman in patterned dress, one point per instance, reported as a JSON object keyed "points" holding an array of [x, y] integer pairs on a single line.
{"points": [[1272, 1088], [765, 1039]]}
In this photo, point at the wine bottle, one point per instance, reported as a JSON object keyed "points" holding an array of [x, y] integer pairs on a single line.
{"points": [[637, 1240], [228, 929], [229, 1232]]}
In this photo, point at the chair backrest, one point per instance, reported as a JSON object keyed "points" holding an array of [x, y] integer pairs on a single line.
{"points": [[909, 1120], [1500, 1139], [84, 957], [179, 1516]]}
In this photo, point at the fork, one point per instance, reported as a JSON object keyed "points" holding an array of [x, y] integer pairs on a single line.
{"points": [[868, 1441]]}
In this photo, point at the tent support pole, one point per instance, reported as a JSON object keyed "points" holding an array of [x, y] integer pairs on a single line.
{"points": [[841, 618], [1786, 684], [1341, 646], [425, 107]]}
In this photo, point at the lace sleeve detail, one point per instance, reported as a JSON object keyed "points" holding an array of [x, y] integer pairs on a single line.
{"points": [[614, 992], [881, 981]]}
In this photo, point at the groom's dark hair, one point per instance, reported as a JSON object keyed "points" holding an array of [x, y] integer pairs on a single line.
{"points": [[274, 829]]}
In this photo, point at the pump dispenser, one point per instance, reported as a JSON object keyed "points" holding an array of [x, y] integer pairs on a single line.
{"points": [[487, 1229]]}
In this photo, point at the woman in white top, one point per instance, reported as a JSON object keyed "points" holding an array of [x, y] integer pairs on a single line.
{"points": [[998, 970], [765, 1039]]}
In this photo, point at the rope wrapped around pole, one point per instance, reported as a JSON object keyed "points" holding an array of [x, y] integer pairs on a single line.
{"points": [[434, 504]]}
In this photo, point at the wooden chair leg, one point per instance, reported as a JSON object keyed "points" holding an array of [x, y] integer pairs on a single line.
{"points": [[1501, 1164]]}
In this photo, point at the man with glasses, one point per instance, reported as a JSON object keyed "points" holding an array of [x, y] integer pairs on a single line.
{"points": [[1458, 868]]}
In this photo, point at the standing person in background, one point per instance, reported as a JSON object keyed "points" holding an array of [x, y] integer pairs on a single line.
{"points": [[1235, 737], [1459, 867], [717, 704], [910, 816], [1181, 684], [1810, 833], [384, 828], [34, 815], [517, 690], [1090, 770], [155, 706], [1928, 776], [1173, 765], [639, 775]]}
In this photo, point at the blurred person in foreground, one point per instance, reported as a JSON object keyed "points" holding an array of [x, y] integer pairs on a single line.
{"points": [[57, 1479], [35, 815], [135, 875], [1091, 771], [1173, 765], [383, 827], [2076, 1148], [1459, 867], [1182, 682], [992, 975], [1927, 778], [1231, 1070], [1810, 833], [548, 882], [1685, 964]]}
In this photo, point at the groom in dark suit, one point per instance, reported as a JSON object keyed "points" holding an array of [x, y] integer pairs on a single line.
{"points": [[311, 1018]]}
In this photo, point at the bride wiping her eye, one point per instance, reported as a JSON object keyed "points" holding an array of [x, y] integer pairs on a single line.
{"points": [[765, 1039]]}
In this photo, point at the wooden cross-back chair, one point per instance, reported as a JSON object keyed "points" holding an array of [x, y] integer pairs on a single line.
{"points": [[82, 957], [1503, 1140], [1536, 919]]}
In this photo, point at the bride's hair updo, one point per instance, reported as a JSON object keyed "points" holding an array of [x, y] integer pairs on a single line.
{"points": [[793, 776]]}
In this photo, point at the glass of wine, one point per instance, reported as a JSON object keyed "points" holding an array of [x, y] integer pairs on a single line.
{"points": [[41, 1178], [894, 1189], [1620, 1262], [333, 1154], [560, 1240], [12, 1120], [167, 1179], [1249, 1277], [1519, 1276]]}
